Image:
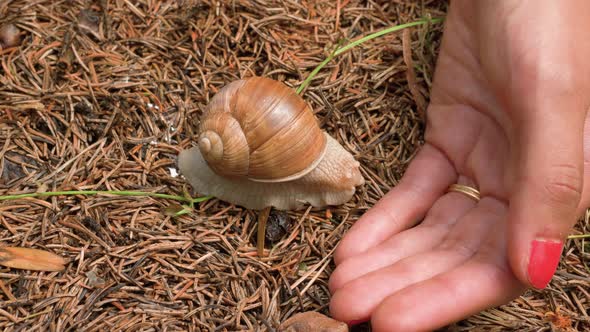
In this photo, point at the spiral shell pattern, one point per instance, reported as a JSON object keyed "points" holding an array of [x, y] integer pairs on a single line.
{"points": [[260, 129]]}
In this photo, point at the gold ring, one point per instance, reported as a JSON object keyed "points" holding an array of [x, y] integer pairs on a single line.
{"points": [[469, 191]]}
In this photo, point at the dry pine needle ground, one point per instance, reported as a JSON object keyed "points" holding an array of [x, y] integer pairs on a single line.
{"points": [[102, 95]]}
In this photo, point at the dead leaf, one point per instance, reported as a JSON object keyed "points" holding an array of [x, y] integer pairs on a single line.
{"points": [[312, 321], [31, 259]]}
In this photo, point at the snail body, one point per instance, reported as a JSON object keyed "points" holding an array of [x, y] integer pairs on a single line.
{"points": [[260, 145]]}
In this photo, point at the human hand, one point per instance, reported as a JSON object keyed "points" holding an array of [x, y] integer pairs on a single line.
{"points": [[507, 115]]}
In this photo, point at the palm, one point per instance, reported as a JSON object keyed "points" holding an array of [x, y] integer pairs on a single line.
{"points": [[457, 254]]}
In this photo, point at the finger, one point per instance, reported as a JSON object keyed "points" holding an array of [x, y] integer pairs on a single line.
{"points": [[408, 243], [548, 183], [445, 212], [585, 201], [479, 284], [425, 180], [357, 299]]}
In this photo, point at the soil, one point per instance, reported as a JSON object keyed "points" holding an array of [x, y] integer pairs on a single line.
{"points": [[103, 95]]}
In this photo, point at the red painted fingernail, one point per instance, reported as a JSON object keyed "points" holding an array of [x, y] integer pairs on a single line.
{"points": [[543, 261], [357, 322]]}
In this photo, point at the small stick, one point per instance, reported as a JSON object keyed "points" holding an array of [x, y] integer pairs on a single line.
{"points": [[262, 219], [411, 75]]}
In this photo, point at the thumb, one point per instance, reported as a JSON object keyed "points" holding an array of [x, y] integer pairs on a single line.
{"points": [[547, 182]]}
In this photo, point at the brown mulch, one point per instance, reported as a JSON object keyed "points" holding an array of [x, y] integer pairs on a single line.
{"points": [[102, 95]]}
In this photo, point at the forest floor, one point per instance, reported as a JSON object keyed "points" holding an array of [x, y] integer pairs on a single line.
{"points": [[103, 95]]}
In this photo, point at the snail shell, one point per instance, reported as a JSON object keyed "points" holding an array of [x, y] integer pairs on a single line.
{"points": [[260, 145], [260, 129]]}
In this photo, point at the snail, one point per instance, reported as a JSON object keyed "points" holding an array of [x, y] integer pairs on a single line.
{"points": [[260, 146]]}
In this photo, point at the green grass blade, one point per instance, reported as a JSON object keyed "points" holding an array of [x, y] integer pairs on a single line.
{"points": [[374, 35], [104, 192]]}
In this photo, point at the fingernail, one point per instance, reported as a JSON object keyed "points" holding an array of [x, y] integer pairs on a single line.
{"points": [[357, 322], [545, 255]]}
